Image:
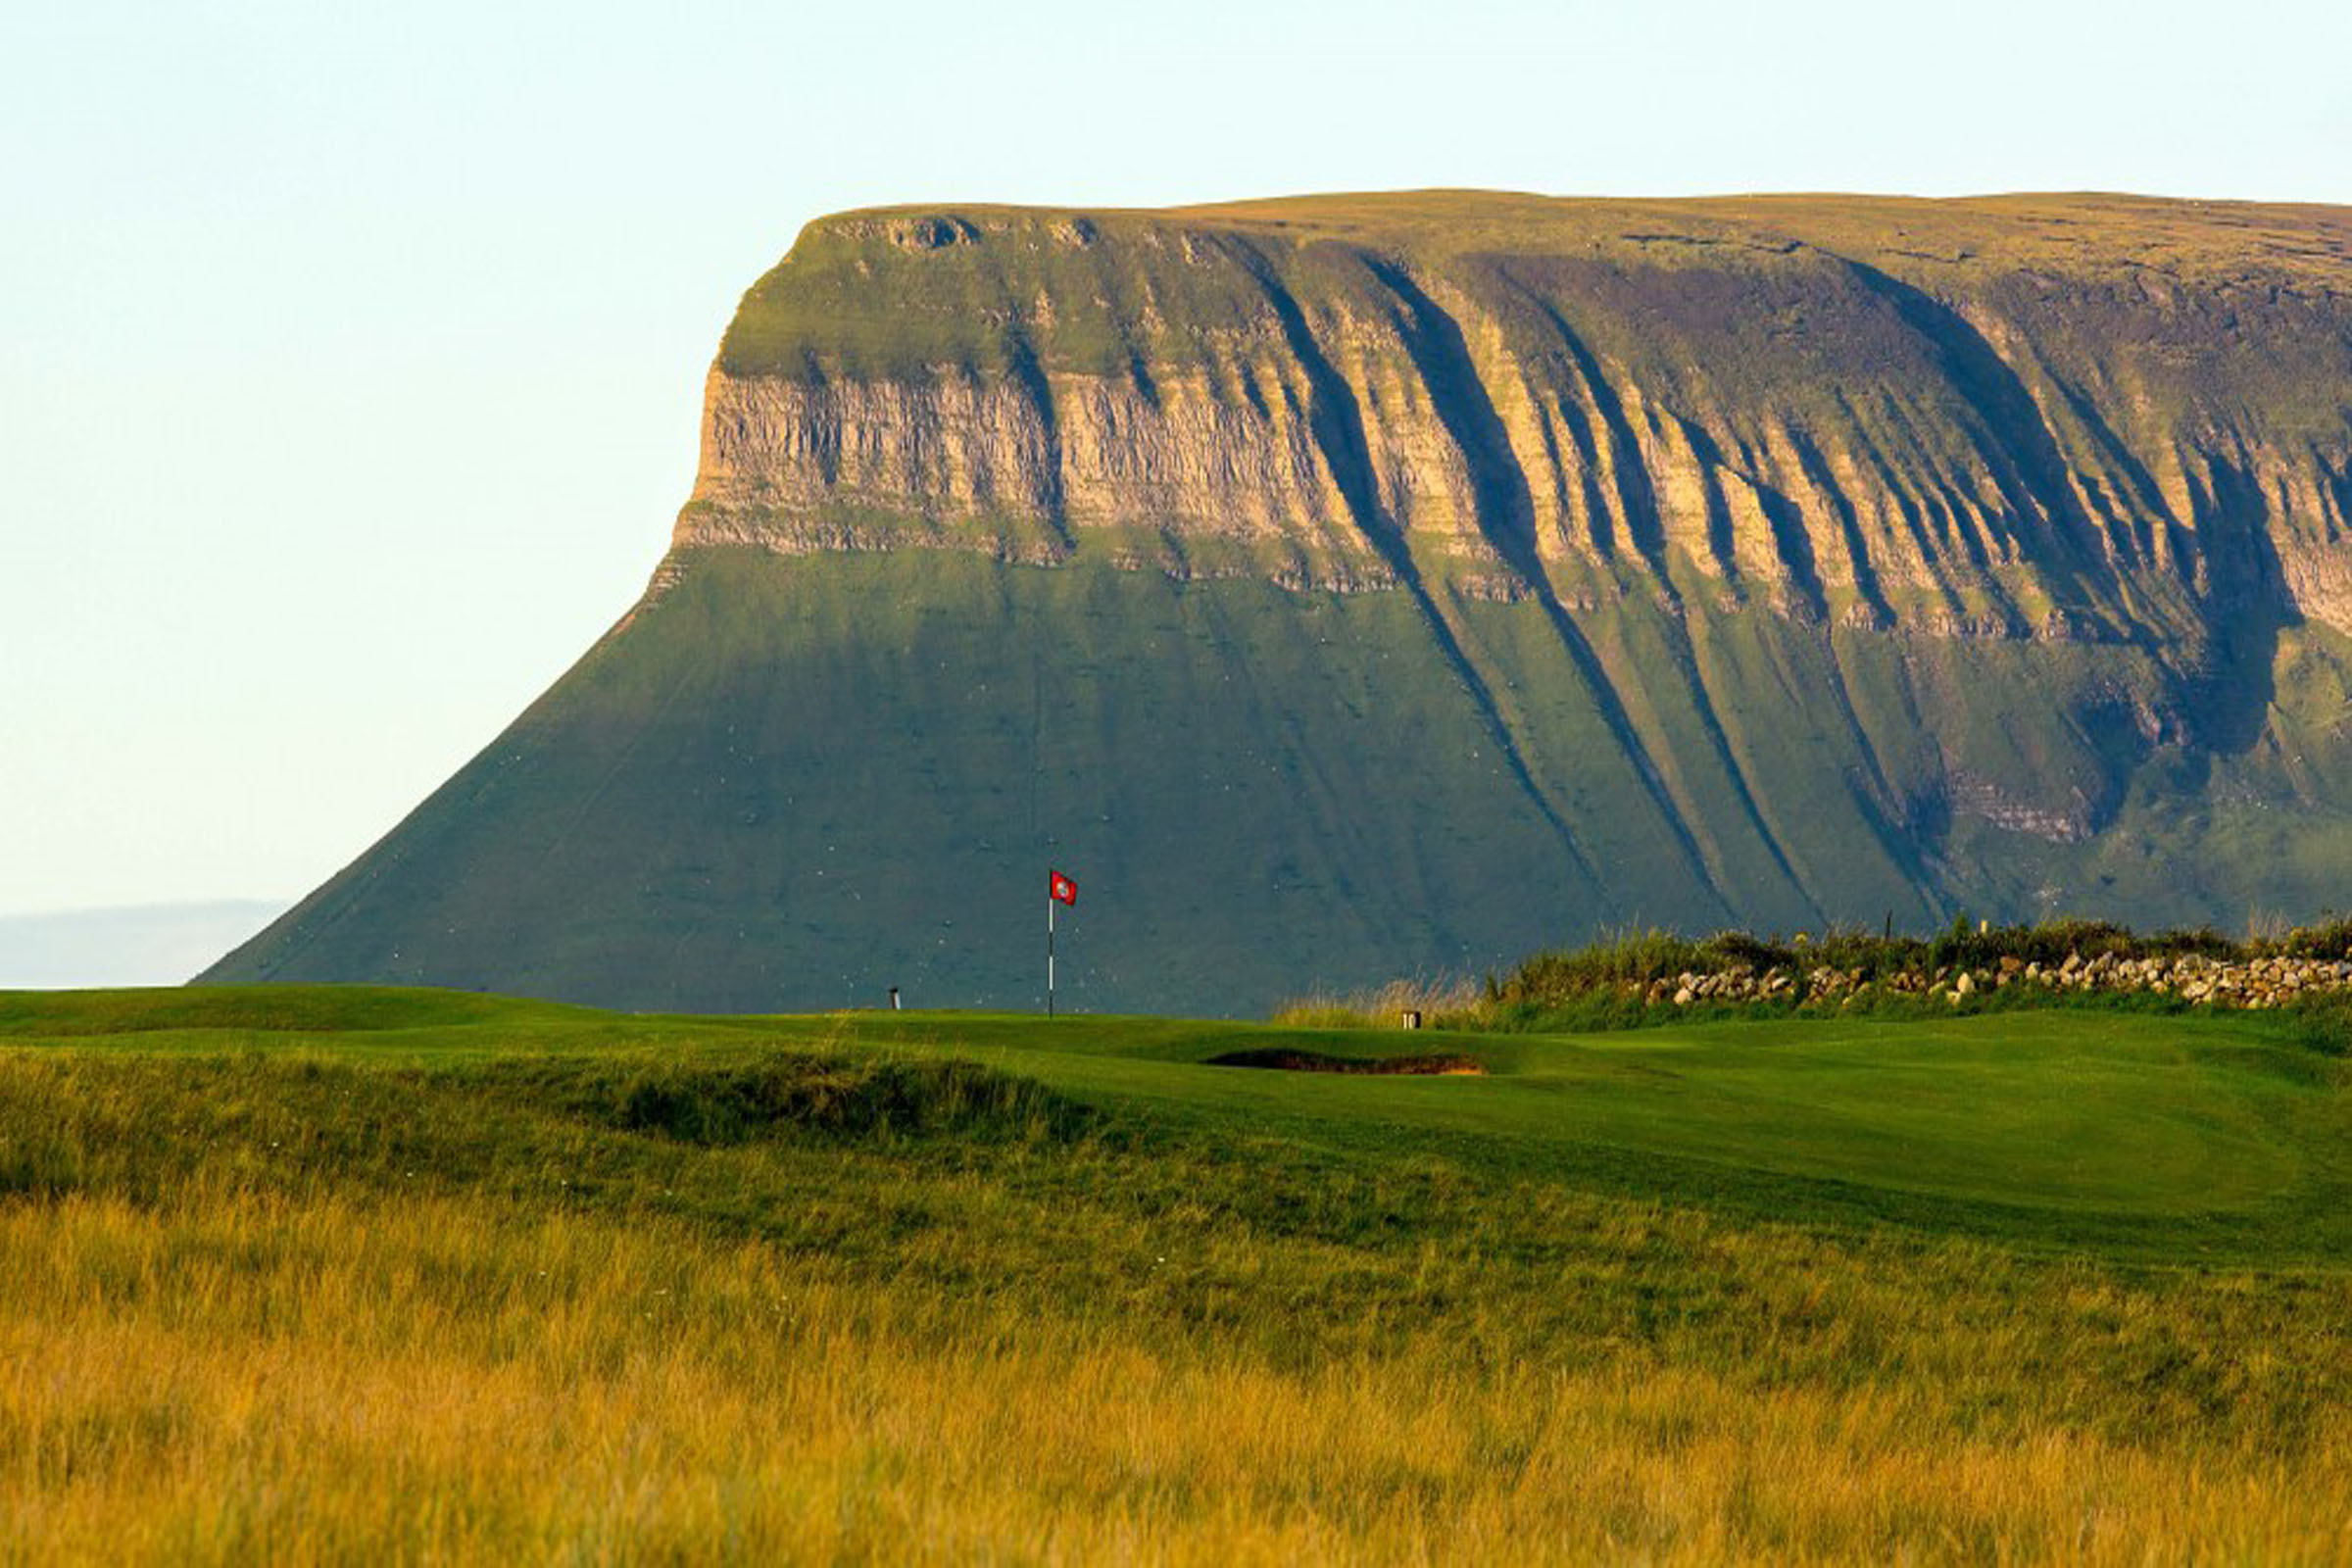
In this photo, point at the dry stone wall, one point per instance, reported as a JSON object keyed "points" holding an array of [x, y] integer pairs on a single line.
{"points": [[2196, 978]]}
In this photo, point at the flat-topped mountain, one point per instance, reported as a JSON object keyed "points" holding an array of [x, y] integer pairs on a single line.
{"points": [[1355, 585]]}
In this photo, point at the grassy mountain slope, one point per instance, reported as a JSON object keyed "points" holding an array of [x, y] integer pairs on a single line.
{"points": [[362, 1273], [1256, 794], [806, 780]]}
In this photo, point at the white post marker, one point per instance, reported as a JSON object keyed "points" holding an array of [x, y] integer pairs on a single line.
{"points": [[1059, 888]]}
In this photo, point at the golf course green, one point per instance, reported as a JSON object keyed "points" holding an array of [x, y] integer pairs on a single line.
{"points": [[2055, 1281]]}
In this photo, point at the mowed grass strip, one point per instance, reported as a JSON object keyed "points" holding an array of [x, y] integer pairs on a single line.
{"points": [[536, 1282]]}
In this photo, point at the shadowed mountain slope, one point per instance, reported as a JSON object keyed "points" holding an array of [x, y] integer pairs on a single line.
{"points": [[1353, 585]]}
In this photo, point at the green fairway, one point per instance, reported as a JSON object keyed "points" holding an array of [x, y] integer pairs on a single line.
{"points": [[2196, 1136]]}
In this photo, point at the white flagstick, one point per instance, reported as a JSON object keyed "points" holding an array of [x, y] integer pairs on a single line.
{"points": [[1050, 901]]}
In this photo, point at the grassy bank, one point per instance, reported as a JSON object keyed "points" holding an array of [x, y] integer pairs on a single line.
{"points": [[338, 1274]]}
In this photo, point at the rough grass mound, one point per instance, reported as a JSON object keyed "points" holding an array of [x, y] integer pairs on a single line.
{"points": [[716, 1106], [147, 1126]]}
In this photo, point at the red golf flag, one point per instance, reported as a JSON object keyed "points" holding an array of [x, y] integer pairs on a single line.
{"points": [[1064, 888]]}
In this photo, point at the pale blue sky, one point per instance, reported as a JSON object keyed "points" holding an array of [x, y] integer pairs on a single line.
{"points": [[354, 354]]}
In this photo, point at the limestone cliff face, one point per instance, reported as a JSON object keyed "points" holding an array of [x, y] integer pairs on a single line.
{"points": [[2032, 416], [2094, 423]]}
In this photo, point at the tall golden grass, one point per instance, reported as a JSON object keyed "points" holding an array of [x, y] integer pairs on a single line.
{"points": [[1441, 1000], [239, 1373]]}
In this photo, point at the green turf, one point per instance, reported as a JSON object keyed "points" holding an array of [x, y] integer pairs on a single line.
{"points": [[2164, 1137]]}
